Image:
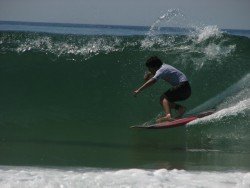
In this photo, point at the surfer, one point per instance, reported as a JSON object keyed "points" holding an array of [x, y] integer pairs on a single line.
{"points": [[179, 91]]}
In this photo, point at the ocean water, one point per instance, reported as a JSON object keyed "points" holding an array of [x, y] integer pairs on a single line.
{"points": [[66, 106]]}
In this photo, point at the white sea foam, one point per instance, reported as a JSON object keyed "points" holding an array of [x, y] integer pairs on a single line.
{"points": [[87, 49], [48, 177], [237, 92], [239, 108], [233, 101], [204, 33], [213, 51], [42, 43]]}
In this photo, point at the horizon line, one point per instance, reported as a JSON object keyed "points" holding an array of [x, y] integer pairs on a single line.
{"points": [[99, 25]]}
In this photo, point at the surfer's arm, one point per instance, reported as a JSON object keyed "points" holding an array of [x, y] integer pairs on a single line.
{"points": [[147, 76], [149, 83]]}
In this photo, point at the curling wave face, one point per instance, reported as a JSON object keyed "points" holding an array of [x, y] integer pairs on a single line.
{"points": [[73, 92]]}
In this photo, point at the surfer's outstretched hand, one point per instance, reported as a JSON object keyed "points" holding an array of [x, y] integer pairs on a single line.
{"points": [[136, 92]]}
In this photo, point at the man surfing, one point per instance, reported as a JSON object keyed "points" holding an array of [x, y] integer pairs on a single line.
{"points": [[180, 90]]}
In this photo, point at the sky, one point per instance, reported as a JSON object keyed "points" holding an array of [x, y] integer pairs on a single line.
{"points": [[226, 14]]}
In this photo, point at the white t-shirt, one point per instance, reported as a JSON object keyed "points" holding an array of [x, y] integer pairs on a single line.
{"points": [[170, 74]]}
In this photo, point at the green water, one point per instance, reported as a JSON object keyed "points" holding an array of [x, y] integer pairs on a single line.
{"points": [[66, 100]]}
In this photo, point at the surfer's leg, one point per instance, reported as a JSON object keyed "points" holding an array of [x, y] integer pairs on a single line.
{"points": [[180, 109], [178, 93], [166, 106]]}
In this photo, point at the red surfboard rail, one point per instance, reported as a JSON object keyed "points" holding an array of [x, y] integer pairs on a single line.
{"points": [[171, 124], [175, 123]]}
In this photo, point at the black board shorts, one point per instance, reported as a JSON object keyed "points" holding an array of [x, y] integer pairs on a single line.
{"points": [[178, 93]]}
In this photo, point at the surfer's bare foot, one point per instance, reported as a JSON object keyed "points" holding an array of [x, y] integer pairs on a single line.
{"points": [[164, 118], [181, 111]]}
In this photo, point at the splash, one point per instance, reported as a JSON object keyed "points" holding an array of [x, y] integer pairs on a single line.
{"points": [[164, 19], [212, 43], [71, 45], [214, 51], [40, 43], [208, 43], [233, 101], [153, 35], [204, 33], [241, 107]]}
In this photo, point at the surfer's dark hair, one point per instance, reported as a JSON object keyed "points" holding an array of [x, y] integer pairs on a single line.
{"points": [[154, 62]]}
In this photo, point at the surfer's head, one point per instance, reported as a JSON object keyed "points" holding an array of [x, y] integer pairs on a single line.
{"points": [[154, 63]]}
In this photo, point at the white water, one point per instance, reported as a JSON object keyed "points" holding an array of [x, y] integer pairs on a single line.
{"points": [[240, 107], [84, 177], [88, 49], [232, 101]]}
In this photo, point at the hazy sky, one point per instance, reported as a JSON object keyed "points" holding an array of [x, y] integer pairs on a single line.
{"points": [[224, 13]]}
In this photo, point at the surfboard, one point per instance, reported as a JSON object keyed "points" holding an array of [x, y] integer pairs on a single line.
{"points": [[176, 122]]}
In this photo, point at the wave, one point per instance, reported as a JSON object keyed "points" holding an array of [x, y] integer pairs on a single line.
{"points": [[75, 90], [206, 56]]}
